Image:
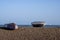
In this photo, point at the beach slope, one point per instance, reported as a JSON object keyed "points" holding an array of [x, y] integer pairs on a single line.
{"points": [[30, 34]]}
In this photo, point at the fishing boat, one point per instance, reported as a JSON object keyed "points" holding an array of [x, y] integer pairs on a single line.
{"points": [[38, 24]]}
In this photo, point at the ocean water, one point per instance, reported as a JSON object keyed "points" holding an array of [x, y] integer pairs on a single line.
{"points": [[46, 26], [52, 26]]}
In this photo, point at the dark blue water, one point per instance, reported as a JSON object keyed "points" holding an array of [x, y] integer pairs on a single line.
{"points": [[46, 26], [52, 26]]}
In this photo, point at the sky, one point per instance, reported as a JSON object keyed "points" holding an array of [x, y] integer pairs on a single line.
{"points": [[23, 12]]}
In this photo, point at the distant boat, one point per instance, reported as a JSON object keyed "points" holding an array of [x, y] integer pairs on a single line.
{"points": [[38, 24], [11, 26]]}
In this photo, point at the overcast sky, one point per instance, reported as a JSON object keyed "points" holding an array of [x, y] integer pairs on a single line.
{"points": [[24, 12]]}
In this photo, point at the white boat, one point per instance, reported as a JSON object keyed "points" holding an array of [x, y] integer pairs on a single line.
{"points": [[38, 23]]}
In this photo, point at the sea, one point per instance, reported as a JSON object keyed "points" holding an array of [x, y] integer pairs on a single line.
{"points": [[46, 26]]}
